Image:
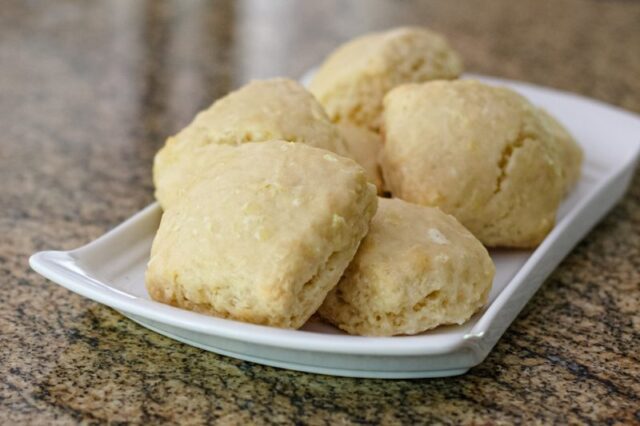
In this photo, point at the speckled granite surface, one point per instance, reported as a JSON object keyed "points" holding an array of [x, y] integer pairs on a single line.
{"points": [[88, 91]]}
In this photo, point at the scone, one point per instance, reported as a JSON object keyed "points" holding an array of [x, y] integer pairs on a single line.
{"points": [[417, 268], [265, 236], [483, 154], [364, 146], [571, 155], [353, 80], [262, 110]]}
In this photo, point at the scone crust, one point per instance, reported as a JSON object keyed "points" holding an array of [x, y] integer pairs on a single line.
{"points": [[416, 269], [353, 80], [265, 236], [261, 110], [571, 155], [364, 147], [483, 154]]}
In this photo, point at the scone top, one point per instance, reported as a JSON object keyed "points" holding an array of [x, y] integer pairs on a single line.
{"points": [[353, 80], [417, 268], [259, 111], [481, 153], [264, 235]]}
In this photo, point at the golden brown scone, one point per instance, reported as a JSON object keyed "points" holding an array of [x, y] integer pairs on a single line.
{"points": [[265, 236], [262, 110], [364, 146], [353, 80], [417, 268], [483, 154]]}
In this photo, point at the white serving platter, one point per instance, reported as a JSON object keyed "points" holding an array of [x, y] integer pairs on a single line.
{"points": [[110, 270]]}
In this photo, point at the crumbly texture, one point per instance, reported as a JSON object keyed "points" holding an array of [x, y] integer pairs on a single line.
{"points": [[353, 80], [364, 147], [416, 269], [483, 154], [265, 236], [262, 110]]}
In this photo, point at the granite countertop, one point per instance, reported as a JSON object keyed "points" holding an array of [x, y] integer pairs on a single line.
{"points": [[89, 91]]}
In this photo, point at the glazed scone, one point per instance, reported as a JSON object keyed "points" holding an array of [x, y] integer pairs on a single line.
{"points": [[364, 146], [417, 268], [352, 81], [483, 154], [262, 110], [265, 236]]}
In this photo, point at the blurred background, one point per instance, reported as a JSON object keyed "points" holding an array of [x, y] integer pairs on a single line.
{"points": [[160, 61]]}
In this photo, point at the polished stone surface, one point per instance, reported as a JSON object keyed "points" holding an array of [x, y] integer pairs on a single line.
{"points": [[89, 91]]}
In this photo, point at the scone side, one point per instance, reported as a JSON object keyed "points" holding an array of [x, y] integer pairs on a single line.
{"points": [[279, 295], [328, 274], [570, 152], [364, 147], [359, 303]]}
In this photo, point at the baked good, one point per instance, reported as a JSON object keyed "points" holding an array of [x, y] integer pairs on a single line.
{"points": [[481, 153], [264, 236], [262, 110], [571, 155], [353, 80], [417, 268], [364, 146]]}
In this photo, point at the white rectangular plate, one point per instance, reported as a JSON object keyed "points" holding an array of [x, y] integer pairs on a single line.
{"points": [[110, 270]]}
